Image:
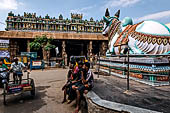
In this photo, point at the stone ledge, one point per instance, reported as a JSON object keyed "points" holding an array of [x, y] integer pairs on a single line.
{"points": [[58, 35], [98, 105]]}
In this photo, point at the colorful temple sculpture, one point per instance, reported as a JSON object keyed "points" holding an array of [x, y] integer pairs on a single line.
{"points": [[34, 23], [148, 38]]}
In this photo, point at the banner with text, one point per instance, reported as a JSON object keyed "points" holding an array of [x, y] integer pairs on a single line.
{"points": [[4, 45]]}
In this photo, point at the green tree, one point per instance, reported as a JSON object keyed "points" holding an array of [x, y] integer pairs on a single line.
{"points": [[44, 43]]}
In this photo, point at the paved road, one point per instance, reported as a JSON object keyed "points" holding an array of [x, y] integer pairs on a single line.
{"points": [[48, 95], [139, 95]]}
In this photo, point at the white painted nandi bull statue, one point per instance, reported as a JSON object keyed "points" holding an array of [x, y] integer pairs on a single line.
{"points": [[146, 37]]}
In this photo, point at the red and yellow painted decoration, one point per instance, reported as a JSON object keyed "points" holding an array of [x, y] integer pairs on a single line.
{"points": [[142, 37], [150, 38]]}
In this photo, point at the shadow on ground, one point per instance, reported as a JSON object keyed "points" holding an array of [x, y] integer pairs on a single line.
{"points": [[25, 102]]}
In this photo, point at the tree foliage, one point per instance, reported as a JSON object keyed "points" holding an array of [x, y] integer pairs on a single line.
{"points": [[42, 42]]}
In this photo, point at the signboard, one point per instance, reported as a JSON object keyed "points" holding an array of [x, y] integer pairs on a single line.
{"points": [[29, 54], [36, 63], [4, 45]]}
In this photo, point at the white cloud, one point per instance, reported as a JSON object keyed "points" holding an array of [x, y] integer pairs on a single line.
{"points": [[82, 10], [9, 4], [122, 3], [155, 16]]}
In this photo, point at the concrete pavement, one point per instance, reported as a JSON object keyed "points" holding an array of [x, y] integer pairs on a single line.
{"points": [[48, 95]]}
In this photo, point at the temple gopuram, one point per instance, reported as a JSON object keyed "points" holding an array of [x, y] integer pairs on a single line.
{"points": [[73, 37], [31, 22]]}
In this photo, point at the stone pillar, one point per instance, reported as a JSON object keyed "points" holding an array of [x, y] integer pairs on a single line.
{"points": [[28, 45], [44, 54], [90, 50], [13, 48], [103, 48], [64, 54], [82, 47], [48, 57]]}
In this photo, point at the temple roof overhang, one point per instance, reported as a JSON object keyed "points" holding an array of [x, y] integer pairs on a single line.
{"points": [[54, 35]]}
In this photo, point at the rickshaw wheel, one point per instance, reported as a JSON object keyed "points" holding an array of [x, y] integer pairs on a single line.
{"points": [[33, 88], [4, 93]]}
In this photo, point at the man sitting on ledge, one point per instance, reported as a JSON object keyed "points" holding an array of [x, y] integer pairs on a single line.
{"points": [[85, 85]]}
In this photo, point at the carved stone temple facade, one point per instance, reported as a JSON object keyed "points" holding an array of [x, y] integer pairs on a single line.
{"points": [[73, 36]]}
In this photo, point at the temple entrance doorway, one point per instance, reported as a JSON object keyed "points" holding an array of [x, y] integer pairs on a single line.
{"points": [[76, 48]]}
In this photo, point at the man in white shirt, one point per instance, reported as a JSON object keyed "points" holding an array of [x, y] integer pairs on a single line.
{"points": [[16, 67]]}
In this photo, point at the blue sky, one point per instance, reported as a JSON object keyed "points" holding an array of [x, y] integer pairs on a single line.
{"points": [[138, 10]]}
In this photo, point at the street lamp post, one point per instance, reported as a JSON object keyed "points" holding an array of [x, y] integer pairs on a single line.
{"points": [[98, 65], [128, 69], [109, 67], [169, 76]]}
